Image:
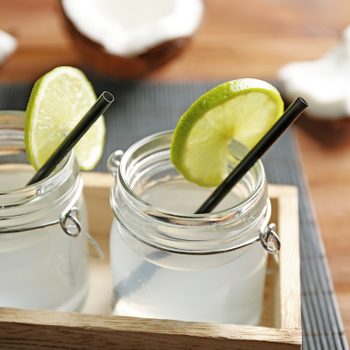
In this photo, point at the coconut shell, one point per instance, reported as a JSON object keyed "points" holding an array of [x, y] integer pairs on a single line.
{"points": [[331, 133], [95, 56]]}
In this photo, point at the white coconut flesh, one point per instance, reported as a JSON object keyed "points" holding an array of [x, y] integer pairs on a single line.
{"points": [[8, 45], [324, 83], [131, 27]]}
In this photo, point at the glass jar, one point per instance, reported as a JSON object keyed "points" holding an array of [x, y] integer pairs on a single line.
{"points": [[41, 266], [171, 264]]}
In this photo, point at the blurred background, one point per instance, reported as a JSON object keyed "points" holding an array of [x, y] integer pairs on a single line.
{"points": [[236, 38]]}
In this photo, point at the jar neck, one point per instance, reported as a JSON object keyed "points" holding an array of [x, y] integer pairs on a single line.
{"points": [[147, 162], [43, 201]]}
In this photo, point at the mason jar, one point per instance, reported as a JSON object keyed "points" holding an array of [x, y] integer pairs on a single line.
{"points": [[43, 257], [169, 263]]}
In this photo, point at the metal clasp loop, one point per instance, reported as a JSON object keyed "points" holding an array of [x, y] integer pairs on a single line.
{"points": [[70, 222], [269, 239], [71, 225], [113, 161]]}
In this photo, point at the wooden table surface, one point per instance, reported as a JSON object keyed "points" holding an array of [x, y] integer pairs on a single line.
{"points": [[238, 38]]}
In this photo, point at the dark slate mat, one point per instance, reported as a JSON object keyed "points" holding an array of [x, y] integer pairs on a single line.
{"points": [[142, 108]]}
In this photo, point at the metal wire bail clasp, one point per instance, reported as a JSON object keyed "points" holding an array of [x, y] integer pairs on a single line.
{"points": [[114, 161], [70, 222], [269, 239], [71, 225]]}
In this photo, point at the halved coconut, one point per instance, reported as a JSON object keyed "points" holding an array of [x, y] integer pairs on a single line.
{"points": [[324, 83], [8, 45], [128, 38]]}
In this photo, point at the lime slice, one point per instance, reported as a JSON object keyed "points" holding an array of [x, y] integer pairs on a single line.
{"points": [[57, 102], [243, 110]]}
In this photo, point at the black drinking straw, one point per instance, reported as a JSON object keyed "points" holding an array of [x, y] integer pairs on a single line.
{"points": [[289, 116], [98, 108]]}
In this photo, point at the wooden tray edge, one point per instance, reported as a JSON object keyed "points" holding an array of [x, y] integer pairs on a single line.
{"points": [[35, 329]]}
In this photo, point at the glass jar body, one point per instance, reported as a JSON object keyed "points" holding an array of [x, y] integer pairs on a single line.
{"points": [[42, 267], [182, 266]]}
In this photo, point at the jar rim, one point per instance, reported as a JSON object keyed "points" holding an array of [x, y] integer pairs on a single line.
{"points": [[56, 177], [158, 214]]}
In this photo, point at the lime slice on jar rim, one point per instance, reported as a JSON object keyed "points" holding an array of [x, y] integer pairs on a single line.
{"points": [[58, 101], [242, 110]]}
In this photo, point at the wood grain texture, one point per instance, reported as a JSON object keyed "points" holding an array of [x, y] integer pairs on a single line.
{"points": [[289, 267], [31, 330], [96, 191], [234, 40]]}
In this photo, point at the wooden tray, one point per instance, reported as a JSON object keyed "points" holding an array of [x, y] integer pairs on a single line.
{"points": [[94, 328]]}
